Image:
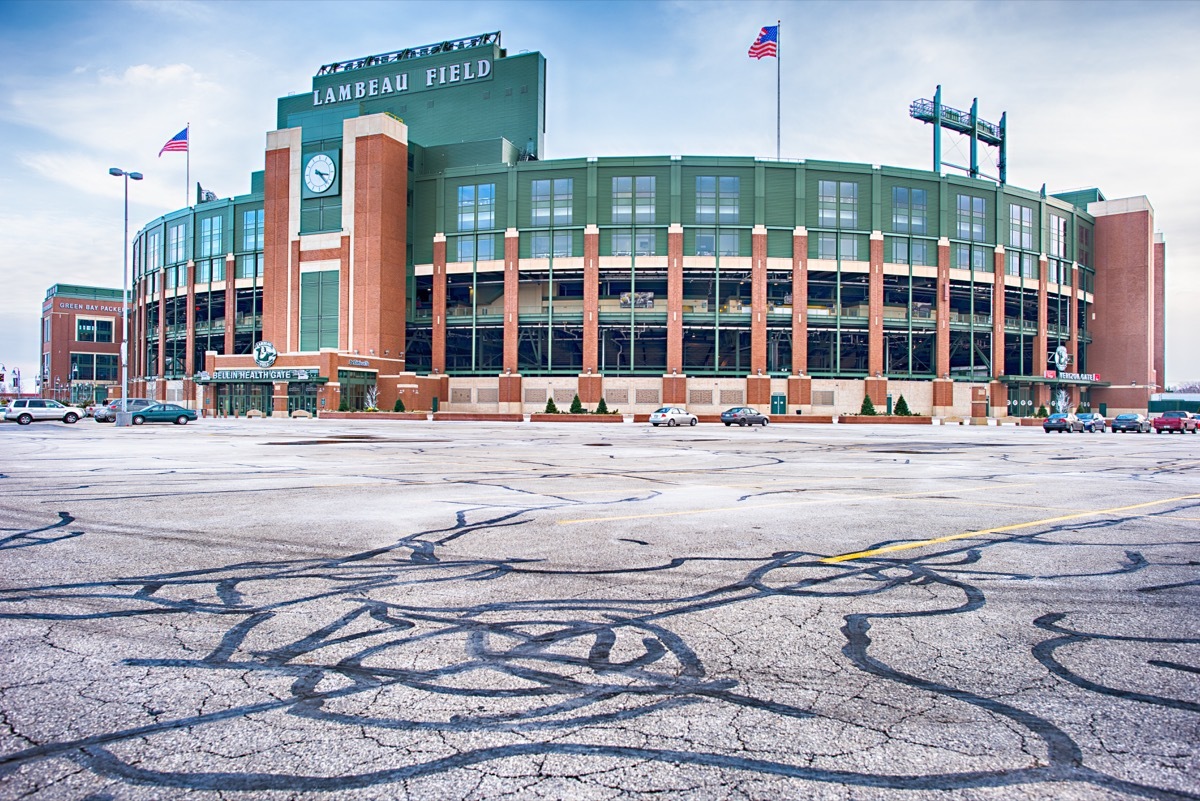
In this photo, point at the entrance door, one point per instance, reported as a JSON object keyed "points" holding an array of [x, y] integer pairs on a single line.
{"points": [[302, 395], [778, 403]]}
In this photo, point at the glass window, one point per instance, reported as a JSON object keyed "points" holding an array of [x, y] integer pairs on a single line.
{"points": [[644, 200], [909, 210], [643, 242], [837, 204], [252, 230], [900, 251], [466, 248], [972, 212], [1020, 226], [706, 242], [706, 199], [85, 329], [728, 243], [622, 192], [540, 208], [476, 207], [622, 243], [539, 244], [920, 252], [175, 243], [485, 247], [564, 195], [104, 330], [850, 248], [729, 200], [210, 237], [562, 243], [1058, 236], [250, 265], [153, 251], [826, 246]]}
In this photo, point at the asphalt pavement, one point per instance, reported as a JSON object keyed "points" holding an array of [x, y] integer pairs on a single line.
{"points": [[307, 609]]}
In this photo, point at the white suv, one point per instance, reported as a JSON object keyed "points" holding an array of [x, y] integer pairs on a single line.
{"points": [[26, 410]]}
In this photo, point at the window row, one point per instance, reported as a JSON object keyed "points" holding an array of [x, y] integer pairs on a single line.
{"points": [[88, 329]]}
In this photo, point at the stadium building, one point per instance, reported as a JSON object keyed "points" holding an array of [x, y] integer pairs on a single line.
{"points": [[407, 240]]}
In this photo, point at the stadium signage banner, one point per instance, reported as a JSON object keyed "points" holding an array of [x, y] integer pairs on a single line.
{"points": [[432, 78], [62, 304], [300, 374], [1061, 376]]}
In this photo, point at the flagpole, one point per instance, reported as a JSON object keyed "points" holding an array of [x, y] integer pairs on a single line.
{"points": [[187, 180], [778, 70]]}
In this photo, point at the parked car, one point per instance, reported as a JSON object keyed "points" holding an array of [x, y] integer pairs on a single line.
{"points": [[1062, 421], [1137, 423], [1170, 422], [672, 416], [1092, 421], [743, 416], [164, 413], [26, 410], [108, 412]]}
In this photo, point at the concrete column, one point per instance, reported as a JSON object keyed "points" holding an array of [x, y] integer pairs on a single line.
{"points": [[1073, 329], [674, 302], [438, 335], [875, 343], [591, 299]]}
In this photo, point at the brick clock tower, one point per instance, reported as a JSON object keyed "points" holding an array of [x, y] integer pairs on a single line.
{"points": [[334, 288]]}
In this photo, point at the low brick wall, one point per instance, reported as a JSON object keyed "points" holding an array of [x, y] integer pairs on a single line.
{"points": [[890, 419], [1030, 421], [802, 418], [373, 415], [479, 417], [542, 417]]}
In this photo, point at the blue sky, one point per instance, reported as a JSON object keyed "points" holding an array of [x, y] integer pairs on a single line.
{"points": [[1097, 94]]}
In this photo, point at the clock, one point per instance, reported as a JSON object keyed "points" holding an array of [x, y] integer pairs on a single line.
{"points": [[319, 173]]}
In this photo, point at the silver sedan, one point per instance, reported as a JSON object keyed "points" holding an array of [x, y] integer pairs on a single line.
{"points": [[672, 416]]}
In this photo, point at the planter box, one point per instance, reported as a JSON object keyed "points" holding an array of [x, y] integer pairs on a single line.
{"points": [[542, 417], [889, 419], [802, 418], [1030, 421], [479, 417], [373, 415]]}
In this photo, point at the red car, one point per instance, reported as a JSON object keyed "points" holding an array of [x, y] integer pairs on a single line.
{"points": [[1173, 421]]}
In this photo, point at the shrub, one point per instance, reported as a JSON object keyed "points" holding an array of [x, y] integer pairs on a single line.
{"points": [[344, 406], [902, 408], [399, 406], [602, 408], [550, 407], [867, 406], [1041, 412], [577, 406]]}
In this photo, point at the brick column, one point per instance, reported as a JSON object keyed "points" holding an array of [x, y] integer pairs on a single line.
{"points": [[162, 345], [591, 299], [997, 392], [875, 343], [674, 301], [1041, 392], [1158, 333], [231, 301], [943, 387], [758, 302], [189, 358], [1073, 329], [799, 304], [512, 306], [438, 344]]}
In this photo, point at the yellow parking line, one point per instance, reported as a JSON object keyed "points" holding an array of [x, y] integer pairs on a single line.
{"points": [[756, 507], [904, 546]]}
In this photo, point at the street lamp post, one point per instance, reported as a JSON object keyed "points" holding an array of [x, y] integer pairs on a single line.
{"points": [[123, 416]]}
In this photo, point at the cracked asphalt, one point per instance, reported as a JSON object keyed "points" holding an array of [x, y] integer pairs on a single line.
{"points": [[273, 609]]}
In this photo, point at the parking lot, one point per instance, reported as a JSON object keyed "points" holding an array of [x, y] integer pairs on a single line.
{"points": [[349, 610]]}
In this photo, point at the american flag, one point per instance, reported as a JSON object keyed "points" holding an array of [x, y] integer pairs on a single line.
{"points": [[177, 142], [766, 44]]}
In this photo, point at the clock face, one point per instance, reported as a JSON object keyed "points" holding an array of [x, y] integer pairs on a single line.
{"points": [[319, 173]]}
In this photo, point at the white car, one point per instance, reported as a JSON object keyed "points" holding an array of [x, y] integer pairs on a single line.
{"points": [[26, 410], [672, 416]]}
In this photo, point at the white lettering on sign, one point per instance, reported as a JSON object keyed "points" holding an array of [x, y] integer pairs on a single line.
{"points": [[393, 84], [62, 304]]}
